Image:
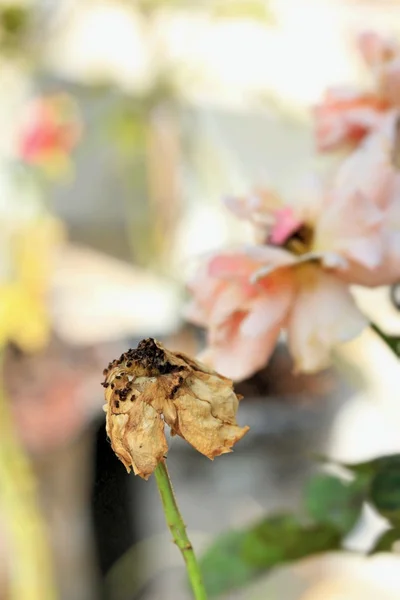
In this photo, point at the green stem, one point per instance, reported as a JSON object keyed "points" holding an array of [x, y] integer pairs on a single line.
{"points": [[178, 530], [392, 341]]}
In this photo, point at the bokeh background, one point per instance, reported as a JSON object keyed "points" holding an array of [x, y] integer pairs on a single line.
{"points": [[123, 124]]}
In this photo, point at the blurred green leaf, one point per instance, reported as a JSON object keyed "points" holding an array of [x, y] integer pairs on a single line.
{"points": [[14, 19], [283, 538], [330, 500], [223, 566], [381, 479], [385, 542], [385, 490], [165, 90], [392, 341], [368, 468], [334, 507], [239, 557], [128, 128], [14, 27]]}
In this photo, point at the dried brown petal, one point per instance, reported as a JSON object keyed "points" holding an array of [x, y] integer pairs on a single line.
{"points": [[150, 387]]}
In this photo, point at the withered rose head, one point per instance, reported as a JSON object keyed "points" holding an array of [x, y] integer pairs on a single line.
{"points": [[149, 387]]}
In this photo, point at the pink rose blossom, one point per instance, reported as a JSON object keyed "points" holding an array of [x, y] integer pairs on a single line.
{"points": [[347, 114], [296, 280]]}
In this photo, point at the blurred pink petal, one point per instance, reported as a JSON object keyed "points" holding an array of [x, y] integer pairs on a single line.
{"points": [[212, 296], [237, 357], [255, 207], [234, 264], [390, 82], [357, 274], [232, 298], [382, 55], [369, 170], [323, 315], [269, 259], [243, 318], [51, 127], [204, 290], [371, 175], [244, 342], [376, 49], [285, 225], [266, 311], [351, 226], [309, 198], [344, 117]]}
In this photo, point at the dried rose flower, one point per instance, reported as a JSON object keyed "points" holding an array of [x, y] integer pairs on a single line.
{"points": [[150, 387]]}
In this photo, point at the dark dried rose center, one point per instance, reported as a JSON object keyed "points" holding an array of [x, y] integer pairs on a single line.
{"points": [[147, 357]]}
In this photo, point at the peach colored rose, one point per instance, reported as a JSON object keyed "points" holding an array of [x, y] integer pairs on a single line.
{"points": [[296, 281], [347, 114]]}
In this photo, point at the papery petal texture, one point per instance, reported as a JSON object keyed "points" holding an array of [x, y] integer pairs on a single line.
{"points": [[151, 387]]}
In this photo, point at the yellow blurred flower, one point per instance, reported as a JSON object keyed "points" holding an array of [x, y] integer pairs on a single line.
{"points": [[33, 248], [24, 317]]}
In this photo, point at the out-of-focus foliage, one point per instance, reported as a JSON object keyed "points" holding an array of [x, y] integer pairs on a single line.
{"points": [[15, 21], [283, 538], [239, 557], [332, 508], [385, 492], [333, 501], [223, 565], [392, 341], [382, 479], [386, 541], [395, 295]]}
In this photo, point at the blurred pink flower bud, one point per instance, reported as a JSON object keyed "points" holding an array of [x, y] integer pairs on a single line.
{"points": [[377, 50], [372, 172], [50, 130], [347, 114]]}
